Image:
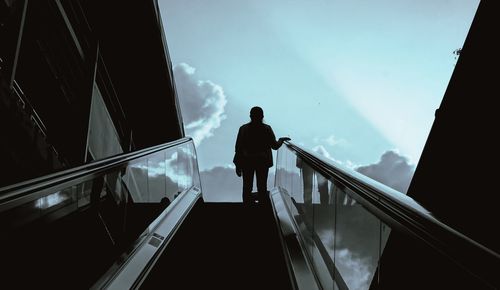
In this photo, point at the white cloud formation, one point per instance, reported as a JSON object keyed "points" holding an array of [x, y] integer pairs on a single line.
{"points": [[332, 140], [323, 152], [356, 267], [355, 270], [220, 184], [393, 170], [202, 103]]}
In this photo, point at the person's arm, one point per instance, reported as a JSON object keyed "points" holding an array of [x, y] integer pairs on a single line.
{"points": [[276, 144]]}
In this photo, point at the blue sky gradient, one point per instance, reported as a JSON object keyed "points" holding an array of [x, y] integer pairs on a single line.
{"points": [[356, 77]]}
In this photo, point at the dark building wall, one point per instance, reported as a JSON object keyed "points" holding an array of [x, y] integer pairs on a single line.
{"points": [[457, 176], [25, 149], [139, 63], [57, 57], [56, 76]]}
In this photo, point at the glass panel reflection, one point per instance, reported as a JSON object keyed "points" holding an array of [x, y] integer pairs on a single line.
{"points": [[342, 239], [157, 178], [55, 199], [93, 222], [357, 241], [172, 174], [324, 222], [83, 193], [136, 180], [351, 248]]}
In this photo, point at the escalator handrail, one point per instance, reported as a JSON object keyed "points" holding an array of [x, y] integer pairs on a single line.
{"points": [[24, 191], [402, 212]]}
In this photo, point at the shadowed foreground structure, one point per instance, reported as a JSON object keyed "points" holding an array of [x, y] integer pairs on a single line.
{"points": [[223, 246]]}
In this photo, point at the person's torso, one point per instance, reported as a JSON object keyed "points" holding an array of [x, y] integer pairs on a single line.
{"points": [[256, 139]]}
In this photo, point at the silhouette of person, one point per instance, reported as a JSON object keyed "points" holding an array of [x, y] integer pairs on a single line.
{"points": [[253, 153], [307, 174], [324, 196]]}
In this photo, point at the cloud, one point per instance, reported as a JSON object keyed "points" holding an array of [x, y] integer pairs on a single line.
{"points": [[146, 185], [321, 150], [356, 265], [202, 103], [393, 170], [221, 184], [332, 140], [356, 271]]}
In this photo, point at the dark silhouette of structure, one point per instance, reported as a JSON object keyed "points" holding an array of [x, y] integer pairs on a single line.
{"points": [[76, 87], [80, 81], [463, 143], [456, 178], [253, 154]]}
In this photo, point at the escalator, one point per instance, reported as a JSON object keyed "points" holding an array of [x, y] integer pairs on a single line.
{"points": [[76, 228], [223, 246], [359, 234], [137, 220]]}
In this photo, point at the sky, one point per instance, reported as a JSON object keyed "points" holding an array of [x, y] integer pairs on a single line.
{"points": [[356, 81]]}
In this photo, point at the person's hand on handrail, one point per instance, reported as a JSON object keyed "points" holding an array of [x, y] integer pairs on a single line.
{"points": [[283, 139]]}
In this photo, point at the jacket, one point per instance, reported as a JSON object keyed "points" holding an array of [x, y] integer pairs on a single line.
{"points": [[254, 144]]}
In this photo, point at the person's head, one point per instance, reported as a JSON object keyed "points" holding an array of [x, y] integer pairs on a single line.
{"points": [[256, 115]]}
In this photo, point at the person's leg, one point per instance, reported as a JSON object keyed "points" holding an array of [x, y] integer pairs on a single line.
{"points": [[322, 188], [248, 173], [262, 173], [307, 183]]}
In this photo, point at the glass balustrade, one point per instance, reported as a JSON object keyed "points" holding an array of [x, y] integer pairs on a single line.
{"points": [[94, 218], [345, 241]]}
